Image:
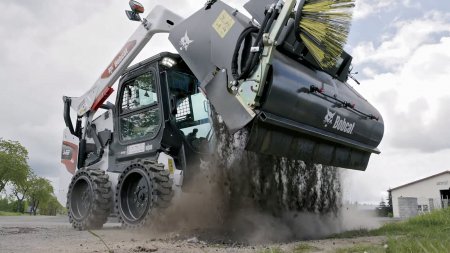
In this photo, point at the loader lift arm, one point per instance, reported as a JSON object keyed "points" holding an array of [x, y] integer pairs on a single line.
{"points": [[159, 20]]}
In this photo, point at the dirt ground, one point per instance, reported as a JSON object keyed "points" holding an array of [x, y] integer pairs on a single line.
{"points": [[54, 234]]}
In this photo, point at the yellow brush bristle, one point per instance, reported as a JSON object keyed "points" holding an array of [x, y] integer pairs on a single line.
{"points": [[324, 28]]}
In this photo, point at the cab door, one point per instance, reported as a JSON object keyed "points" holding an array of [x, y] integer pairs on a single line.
{"points": [[139, 118]]}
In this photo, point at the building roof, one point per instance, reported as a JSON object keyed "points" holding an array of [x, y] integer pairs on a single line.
{"points": [[420, 180]]}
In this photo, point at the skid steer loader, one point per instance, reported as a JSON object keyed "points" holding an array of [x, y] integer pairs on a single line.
{"points": [[254, 72]]}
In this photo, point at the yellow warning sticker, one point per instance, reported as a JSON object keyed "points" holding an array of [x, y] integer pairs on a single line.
{"points": [[223, 24], [171, 169]]}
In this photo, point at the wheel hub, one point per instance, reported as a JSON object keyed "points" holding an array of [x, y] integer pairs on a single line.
{"points": [[141, 196], [86, 198], [135, 192]]}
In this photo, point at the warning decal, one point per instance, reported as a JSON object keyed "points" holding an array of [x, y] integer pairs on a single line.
{"points": [[223, 24], [171, 167]]}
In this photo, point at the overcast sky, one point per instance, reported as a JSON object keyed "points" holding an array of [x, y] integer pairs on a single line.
{"points": [[401, 50]]}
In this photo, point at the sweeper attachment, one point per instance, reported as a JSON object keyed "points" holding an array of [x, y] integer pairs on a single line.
{"points": [[280, 76], [285, 79]]}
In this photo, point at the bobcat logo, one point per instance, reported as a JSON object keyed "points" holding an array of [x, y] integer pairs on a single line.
{"points": [[340, 123], [329, 118], [185, 42]]}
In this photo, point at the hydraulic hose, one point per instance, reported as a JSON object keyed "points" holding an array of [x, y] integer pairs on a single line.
{"points": [[249, 58], [245, 37]]}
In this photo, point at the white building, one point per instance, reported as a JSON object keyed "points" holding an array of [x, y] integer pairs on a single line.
{"points": [[421, 196]]}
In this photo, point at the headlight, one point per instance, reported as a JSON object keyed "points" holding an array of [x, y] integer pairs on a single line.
{"points": [[168, 62]]}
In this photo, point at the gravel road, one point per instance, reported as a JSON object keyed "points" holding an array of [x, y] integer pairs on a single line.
{"points": [[54, 234]]}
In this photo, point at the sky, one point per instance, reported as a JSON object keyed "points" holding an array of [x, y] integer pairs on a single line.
{"points": [[401, 51]]}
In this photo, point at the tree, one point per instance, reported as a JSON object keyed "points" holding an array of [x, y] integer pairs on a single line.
{"points": [[40, 192], [7, 204], [391, 210], [13, 163], [51, 207], [382, 203], [383, 210], [20, 190]]}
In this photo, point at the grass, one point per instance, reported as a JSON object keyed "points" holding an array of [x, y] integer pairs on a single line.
{"points": [[424, 233], [272, 250], [2, 213], [352, 234], [301, 248], [428, 233], [304, 248], [362, 248]]}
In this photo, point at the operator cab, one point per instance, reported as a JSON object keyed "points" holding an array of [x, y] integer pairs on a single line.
{"points": [[160, 108]]}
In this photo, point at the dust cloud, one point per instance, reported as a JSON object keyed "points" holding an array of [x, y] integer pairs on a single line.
{"points": [[210, 213], [251, 198]]}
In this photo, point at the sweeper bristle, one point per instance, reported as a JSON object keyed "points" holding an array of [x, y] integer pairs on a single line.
{"points": [[324, 27]]}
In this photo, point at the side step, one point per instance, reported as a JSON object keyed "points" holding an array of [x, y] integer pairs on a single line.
{"points": [[274, 135]]}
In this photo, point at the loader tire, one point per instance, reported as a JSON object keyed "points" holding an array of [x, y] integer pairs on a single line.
{"points": [[89, 199], [143, 191]]}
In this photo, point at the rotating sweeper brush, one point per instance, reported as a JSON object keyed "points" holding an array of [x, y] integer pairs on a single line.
{"points": [[323, 26]]}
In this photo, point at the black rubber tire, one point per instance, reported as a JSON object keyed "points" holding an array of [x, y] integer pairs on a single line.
{"points": [[89, 199], [158, 195]]}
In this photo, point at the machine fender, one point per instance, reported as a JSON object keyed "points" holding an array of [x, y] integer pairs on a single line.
{"points": [[69, 151]]}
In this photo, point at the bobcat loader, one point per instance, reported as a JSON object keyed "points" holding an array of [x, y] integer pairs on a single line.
{"points": [[252, 71]]}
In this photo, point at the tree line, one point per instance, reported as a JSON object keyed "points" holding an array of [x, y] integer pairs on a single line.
{"points": [[27, 192]]}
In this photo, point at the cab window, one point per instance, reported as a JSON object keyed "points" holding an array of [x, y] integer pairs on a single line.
{"points": [[139, 111], [192, 113], [139, 93], [192, 109]]}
